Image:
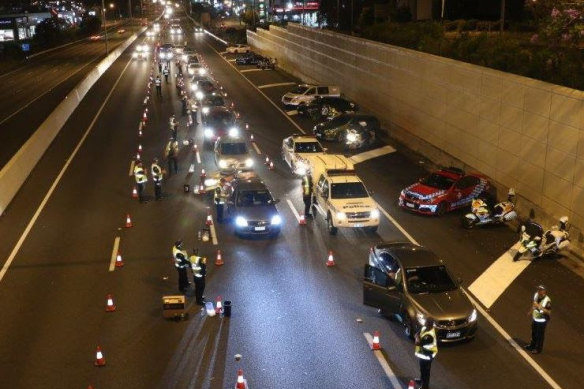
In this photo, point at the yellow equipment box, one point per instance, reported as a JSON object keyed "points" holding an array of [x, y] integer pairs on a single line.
{"points": [[173, 307]]}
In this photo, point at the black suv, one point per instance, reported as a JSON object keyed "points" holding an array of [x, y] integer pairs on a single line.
{"points": [[336, 128], [410, 283], [327, 107], [250, 58], [253, 209]]}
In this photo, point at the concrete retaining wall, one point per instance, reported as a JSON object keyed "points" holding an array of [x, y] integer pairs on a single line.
{"points": [[522, 133], [16, 171]]}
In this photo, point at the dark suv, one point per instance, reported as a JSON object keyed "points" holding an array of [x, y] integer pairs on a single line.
{"points": [[410, 283], [253, 209], [327, 107], [336, 128]]}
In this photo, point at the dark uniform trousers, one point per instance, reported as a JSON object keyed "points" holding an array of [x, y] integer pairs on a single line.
{"points": [[425, 366], [141, 191], [157, 190], [537, 335], [172, 165], [200, 284], [183, 281]]}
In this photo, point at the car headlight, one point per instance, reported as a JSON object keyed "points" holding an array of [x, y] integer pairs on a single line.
{"points": [[351, 137], [249, 162], [161, 55], [375, 214], [233, 131], [194, 87], [276, 220], [421, 318], [223, 164], [191, 71], [134, 55], [202, 71], [473, 316], [199, 95], [211, 182], [341, 215], [240, 221], [208, 132], [205, 110]]}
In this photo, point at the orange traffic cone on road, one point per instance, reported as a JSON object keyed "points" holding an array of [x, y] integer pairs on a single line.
{"points": [[119, 260], [134, 193], [219, 259], [267, 161], [110, 306], [99, 358], [412, 384], [218, 306], [209, 220], [375, 344], [241, 384], [251, 138], [137, 156], [330, 260], [128, 221], [271, 165], [139, 148], [302, 220]]}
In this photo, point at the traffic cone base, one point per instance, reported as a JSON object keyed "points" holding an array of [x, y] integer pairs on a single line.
{"points": [[110, 306], [302, 220], [330, 260], [128, 221], [99, 358], [412, 384], [219, 260]]}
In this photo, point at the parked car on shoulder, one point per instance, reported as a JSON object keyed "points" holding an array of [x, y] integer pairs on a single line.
{"points": [[327, 107], [336, 129], [250, 58], [442, 191], [305, 93], [411, 283], [238, 48]]}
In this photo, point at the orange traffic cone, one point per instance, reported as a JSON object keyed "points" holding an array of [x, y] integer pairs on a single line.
{"points": [[139, 132], [267, 160], [99, 358], [110, 306], [219, 306], [375, 344], [330, 260], [219, 259], [251, 138], [134, 193], [247, 126], [412, 384], [241, 384], [209, 220], [119, 260], [302, 220], [140, 148], [128, 221], [271, 166], [137, 156]]}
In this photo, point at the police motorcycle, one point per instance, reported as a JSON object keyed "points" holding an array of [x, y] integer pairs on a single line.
{"points": [[481, 215], [359, 137], [540, 244]]}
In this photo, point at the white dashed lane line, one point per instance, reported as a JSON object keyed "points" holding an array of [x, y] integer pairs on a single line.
{"points": [[131, 172], [276, 85], [115, 249], [383, 362], [292, 112], [294, 211], [250, 70], [256, 148]]}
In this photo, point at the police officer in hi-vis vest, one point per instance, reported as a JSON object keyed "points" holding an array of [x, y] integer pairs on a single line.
{"points": [[426, 350], [541, 309]]}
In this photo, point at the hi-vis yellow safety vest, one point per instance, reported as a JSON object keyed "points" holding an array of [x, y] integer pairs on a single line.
{"points": [[427, 351], [179, 262], [139, 175], [195, 264], [306, 186], [156, 172], [538, 314]]}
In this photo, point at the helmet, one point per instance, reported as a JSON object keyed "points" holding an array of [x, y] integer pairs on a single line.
{"points": [[178, 243], [541, 287]]}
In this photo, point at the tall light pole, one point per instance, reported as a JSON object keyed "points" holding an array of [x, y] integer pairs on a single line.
{"points": [[104, 26]]}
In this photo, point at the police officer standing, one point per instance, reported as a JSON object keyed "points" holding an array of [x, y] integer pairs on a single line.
{"points": [[199, 265], [307, 194], [221, 195], [166, 73], [141, 179], [158, 83], [540, 311], [170, 152], [426, 350], [156, 172], [182, 264]]}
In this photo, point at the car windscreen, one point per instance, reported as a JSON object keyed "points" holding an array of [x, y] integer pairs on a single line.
{"points": [[216, 101], [438, 181], [299, 90], [348, 190], [221, 119], [429, 279], [233, 148], [252, 198], [307, 147], [338, 121]]}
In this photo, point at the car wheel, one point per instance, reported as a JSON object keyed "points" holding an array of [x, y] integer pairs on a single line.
{"points": [[441, 209], [372, 229], [331, 228]]}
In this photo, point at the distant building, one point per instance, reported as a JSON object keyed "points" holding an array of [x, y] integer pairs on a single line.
{"points": [[22, 26]]}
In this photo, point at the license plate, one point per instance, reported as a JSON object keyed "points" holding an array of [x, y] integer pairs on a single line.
{"points": [[410, 205], [451, 335], [259, 228]]}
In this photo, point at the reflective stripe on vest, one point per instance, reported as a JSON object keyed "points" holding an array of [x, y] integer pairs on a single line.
{"points": [[195, 261], [537, 314], [427, 351], [305, 186], [139, 175], [156, 172], [178, 262]]}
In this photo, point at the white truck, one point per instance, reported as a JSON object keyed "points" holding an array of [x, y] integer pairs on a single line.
{"points": [[339, 195], [303, 94]]}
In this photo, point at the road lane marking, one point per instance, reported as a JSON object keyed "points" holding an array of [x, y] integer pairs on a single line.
{"points": [[294, 211], [43, 203], [496, 279], [231, 60], [256, 148], [262, 93], [292, 112], [112, 265], [276, 84], [362, 157], [131, 172], [198, 156], [250, 70], [383, 362], [213, 232], [489, 318]]}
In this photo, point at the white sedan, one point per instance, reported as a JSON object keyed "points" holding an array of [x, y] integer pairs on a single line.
{"points": [[295, 147], [238, 49]]}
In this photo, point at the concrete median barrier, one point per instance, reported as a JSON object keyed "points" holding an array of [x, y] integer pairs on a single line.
{"points": [[16, 171]]}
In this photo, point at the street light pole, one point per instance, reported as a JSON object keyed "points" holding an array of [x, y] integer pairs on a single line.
{"points": [[104, 26]]}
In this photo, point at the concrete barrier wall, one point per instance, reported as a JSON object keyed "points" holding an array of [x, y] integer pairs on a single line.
{"points": [[521, 132], [15, 172]]}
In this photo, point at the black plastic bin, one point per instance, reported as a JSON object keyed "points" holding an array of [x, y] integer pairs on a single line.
{"points": [[227, 308]]}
